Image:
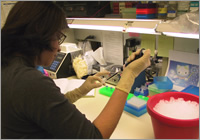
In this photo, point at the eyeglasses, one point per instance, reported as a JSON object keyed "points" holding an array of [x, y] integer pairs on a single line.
{"points": [[61, 37]]}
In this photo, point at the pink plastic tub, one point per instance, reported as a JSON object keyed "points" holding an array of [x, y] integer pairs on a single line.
{"points": [[171, 128]]}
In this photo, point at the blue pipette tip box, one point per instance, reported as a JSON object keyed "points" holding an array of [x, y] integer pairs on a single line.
{"points": [[136, 106], [163, 82], [191, 89]]}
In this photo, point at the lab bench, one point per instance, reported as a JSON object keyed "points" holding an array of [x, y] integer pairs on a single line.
{"points": [[129, 126]]}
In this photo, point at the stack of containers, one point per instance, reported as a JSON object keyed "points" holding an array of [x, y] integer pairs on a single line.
{"points": [[116, 7], [121, 6], [146, 11], [153, 90], [129, 13], [161, 84], [124, 5], [136, 106], [128, 4], [183, 7], [162, 9]]}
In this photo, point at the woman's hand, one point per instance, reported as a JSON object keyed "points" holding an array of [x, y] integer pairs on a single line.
{"points": [[94, 81], [133, 70], [91, 82]]}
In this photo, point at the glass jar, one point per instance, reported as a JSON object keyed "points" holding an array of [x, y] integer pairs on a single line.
{"points": [[183, 7], [171, 10], [162, 9]]}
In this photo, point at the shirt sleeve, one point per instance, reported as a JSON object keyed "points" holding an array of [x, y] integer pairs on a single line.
{"points": [[45, 106]]}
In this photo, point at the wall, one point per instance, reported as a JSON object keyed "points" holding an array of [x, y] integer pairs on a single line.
{"points": [[5, 9], [179, 44], [186, 45], [164, 43]]}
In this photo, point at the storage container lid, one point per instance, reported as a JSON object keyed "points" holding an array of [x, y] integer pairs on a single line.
{"points": [[129, 10]]}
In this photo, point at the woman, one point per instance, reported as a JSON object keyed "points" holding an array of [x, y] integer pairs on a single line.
{"points": [[32, 105]]}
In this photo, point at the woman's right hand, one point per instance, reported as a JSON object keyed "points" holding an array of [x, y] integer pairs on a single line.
{"points": [[137, 66], [133, 70]]}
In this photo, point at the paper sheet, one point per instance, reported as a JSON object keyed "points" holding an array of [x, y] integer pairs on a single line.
{"points": [[183, 69], [165, 44], [6, 6], [148, 42], [98, 55], [66, 85], [113, 47]]}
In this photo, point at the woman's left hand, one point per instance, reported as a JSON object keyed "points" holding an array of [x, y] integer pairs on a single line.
{"points": [[94, 81], [91, 82]]}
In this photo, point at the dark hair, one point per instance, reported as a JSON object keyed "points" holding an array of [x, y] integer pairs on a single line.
{"points": [[29, 28]]}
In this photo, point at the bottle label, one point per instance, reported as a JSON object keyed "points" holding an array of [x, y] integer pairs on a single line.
{"points": [[171, 11], [171, 15], [162, 10], [194, 4]]}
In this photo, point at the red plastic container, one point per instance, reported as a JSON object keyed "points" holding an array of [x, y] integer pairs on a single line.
{"points": [[146, 11], [170, 128]]}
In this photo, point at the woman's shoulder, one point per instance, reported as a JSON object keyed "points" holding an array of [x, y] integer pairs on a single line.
{"points": [[34, 77], [19, 72]]}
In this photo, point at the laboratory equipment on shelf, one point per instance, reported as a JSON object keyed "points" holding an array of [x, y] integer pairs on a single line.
{"points": [[145, 76], [62, 67]]}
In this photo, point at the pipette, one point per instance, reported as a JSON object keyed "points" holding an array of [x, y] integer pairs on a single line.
{"points": [[137, 56]]}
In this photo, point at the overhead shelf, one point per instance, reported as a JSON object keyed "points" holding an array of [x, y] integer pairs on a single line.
{"points": [[157, 27], [96, 24], [143, 26], [166, 29]]}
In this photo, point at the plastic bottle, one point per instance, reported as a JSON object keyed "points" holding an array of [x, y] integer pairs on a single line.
{"points": [[172, 10], [162, 9], [194, 6], [183, 7]]}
